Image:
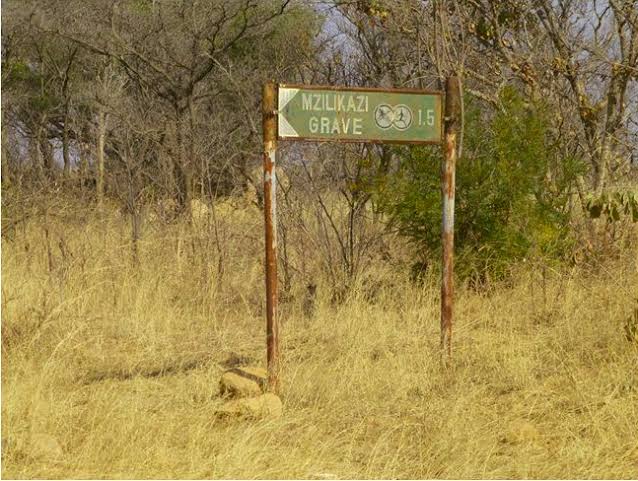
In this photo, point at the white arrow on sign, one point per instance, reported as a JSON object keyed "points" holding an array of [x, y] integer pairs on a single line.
{"points": [[285, 96]]}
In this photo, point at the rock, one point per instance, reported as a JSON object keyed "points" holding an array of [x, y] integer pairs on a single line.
{"points": [[522, 432], [243, 382], [265, 406], [45, 446], [323, 476]]}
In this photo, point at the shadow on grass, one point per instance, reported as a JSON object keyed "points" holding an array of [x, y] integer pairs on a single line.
{"points": [[147, 371]]}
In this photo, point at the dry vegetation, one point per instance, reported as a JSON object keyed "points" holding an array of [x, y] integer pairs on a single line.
{"points": [[120, 363], [122, 305]]}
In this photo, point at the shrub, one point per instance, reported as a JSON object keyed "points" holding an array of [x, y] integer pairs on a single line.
{"points": [[511, 198]]}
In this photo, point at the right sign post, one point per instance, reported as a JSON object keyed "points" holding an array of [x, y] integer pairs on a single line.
{"points": [[448, 189]]}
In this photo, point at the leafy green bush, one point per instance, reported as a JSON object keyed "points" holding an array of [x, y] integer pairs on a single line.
{"points": [[511, 197]]}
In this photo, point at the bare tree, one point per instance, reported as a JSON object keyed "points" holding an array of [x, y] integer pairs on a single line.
{"points": [[581, 57]]}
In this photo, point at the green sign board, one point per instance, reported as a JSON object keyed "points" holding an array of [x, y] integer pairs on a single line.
{"points": [[359, 115]]}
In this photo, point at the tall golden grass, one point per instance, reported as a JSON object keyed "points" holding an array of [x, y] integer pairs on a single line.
{"points": [[119, 361]]}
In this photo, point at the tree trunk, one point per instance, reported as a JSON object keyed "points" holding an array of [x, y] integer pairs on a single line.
{"points": [[191, 163], [4, 157], [47, 153], [85, 154], [38, 158], [602, 168], [136, 229], [101, 128], [65, 145], [182, 173]]}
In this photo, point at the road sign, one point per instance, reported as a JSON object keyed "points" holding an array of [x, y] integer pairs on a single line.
{"points": [[399, 116], [359, 115]]}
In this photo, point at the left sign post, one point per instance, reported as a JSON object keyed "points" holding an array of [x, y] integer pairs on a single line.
{"points": [[269, 111]]}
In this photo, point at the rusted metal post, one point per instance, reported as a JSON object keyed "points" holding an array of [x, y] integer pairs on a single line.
{"points": [[448, 181], [269, 106]]}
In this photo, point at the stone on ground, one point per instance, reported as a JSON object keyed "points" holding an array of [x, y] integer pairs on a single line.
{"points": [[45, 446], [243, 382], [265, 406], [522, 432]]}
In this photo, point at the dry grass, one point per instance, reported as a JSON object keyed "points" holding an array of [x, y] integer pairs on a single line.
{"points": [[120, 363]]}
